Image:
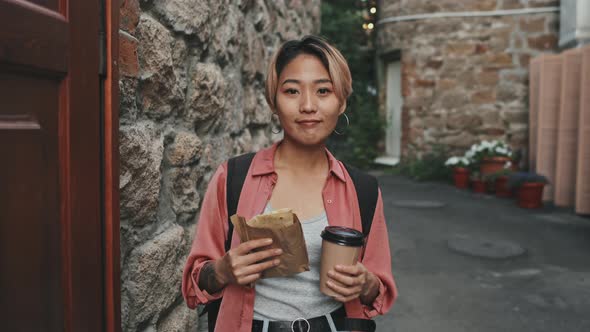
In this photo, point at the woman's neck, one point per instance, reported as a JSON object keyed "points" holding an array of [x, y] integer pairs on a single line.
{"points": [[299, 158]]}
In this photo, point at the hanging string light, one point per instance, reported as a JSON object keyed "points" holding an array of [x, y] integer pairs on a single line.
{"points": [[369, 14]]}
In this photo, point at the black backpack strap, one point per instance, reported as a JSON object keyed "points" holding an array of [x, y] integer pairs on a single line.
{"points": [[237, 169], [367, 192]]}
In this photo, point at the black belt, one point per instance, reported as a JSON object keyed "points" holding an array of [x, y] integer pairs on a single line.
{"points": [[317, 324]]}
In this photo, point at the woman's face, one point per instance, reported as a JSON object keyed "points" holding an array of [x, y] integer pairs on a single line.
{"points": [[306, 104]]}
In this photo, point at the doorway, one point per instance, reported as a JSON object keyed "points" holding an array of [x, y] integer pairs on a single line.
{"points": [[393, 107]]}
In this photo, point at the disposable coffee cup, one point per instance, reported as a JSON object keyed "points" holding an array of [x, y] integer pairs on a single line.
{"points": [[340, 246]]}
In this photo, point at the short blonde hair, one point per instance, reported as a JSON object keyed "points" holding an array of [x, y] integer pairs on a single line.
{"points": [[330, 57]]}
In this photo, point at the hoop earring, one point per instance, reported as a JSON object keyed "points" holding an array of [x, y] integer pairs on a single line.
{"points": [[280, 129], [347, 124]]}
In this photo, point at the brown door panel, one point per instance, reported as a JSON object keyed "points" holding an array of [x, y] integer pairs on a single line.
{"points": [[51, 255]]}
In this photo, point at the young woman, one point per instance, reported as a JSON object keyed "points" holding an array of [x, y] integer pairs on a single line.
{"points": [[307, 86]]}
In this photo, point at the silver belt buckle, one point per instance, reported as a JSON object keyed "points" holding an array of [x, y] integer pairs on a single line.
{"points": [[299, 324]]}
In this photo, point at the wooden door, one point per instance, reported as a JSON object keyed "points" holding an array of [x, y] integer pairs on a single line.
{"points": [[51, 186]]}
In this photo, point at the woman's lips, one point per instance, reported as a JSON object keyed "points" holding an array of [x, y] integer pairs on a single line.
{"points": [[308, 123]]}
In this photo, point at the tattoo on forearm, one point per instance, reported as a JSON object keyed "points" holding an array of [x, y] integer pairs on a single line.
{"points": [[208, 280], [372, 292]]}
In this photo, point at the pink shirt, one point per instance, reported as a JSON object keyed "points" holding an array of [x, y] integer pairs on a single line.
{"points": [[341, 205]]}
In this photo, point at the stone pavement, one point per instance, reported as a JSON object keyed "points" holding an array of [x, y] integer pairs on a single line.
{"points": [[467, 262]]}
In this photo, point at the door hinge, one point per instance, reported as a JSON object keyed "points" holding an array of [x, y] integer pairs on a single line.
{"points": [[102, 40]]}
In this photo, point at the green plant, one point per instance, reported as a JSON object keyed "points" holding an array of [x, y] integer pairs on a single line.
{"points": [[342, 26], [476, 176], [428, 167], [517, 179], [494, 176]]}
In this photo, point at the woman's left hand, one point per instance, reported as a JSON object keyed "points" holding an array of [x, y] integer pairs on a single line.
{"points": [[353, 281]]}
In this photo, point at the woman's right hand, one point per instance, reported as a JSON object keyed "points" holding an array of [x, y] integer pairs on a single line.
{"points": [[241, 266]]}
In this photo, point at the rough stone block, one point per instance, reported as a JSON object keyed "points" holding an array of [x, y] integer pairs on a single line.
{"points": [[499, 60], [452, 100], [155, 42], [434, 63], [488, 77], [181, 319], [492, 132], [461, 140], [446, 84], [518, 139], [508, 91], [515, 116], [463, 121], [422, 83], [181, 60], [413, 102], [190, 17], [184, 150], [226, 37], [160, 92], [484, 4], [459, 48], [487, 96], [255, 59], [543, 3], [154, 271], [490, 117], [185, 198], [511, 4], [128, 98], [216, 151], [141, 146], [207, 93]]}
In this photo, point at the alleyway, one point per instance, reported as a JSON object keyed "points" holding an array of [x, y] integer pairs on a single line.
{"points": [[547, 288]]}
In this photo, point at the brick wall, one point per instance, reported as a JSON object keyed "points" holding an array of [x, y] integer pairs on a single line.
{"points": [[465, 79]]}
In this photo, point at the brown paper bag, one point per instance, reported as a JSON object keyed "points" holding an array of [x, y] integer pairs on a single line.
{"points": [[284, 228]]}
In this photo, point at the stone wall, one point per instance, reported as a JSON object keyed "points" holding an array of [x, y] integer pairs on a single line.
{"points": [[191, 84], [465, 79]]}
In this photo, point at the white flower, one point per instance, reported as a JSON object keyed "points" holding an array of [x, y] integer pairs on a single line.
{"points": [[452, 161], [507, 165], [465, 161]]}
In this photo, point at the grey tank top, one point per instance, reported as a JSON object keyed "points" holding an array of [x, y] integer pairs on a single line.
{"points": [[297, 296]]}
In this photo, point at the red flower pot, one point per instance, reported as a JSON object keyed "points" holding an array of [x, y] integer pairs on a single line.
{"points": [[502, 189], [461, 177], [478, 186], [530, 195], [491, 165]]}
